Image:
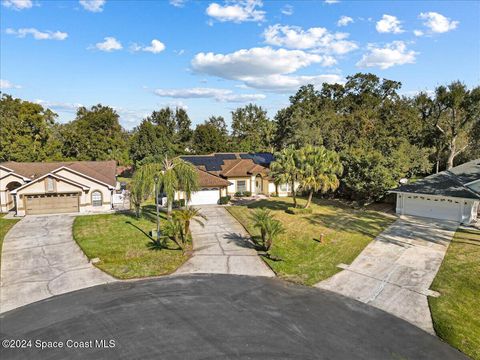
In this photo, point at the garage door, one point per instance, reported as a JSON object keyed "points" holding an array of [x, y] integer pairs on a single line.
{"points": [[446, 209], [205, 197], [51, 203]]}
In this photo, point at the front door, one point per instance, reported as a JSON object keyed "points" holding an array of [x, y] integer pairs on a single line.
{"points": [[258, 185]]}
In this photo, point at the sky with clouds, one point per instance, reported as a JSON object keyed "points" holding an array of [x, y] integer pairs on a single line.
{"points": [[211, 57]]}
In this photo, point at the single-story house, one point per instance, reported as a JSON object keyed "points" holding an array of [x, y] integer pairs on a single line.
{"points": [[57, 187], [449, 195], [222, 174]]}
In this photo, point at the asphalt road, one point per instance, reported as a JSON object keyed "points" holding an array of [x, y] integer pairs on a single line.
{"points": [[213, 317]]}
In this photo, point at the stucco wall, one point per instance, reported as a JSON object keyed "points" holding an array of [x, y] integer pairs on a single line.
{"points": [[5, 205], [232, 189]]}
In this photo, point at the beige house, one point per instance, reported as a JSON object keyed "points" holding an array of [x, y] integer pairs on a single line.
{"points": [[234, 173], [57, 187]]}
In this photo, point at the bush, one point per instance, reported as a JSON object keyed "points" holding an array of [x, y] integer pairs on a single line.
{"points": [[247, 193], [273, 194], [224, 200], [239, 194], [178, 203], [297, 211]]}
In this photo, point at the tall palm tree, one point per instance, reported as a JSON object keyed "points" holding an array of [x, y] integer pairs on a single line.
{"points": [[186, 216], [285, 169], [319, 168], [141, 186], [177, 175]]}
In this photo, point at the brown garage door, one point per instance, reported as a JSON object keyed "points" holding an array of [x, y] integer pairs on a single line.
{"points": [[51, 203]]}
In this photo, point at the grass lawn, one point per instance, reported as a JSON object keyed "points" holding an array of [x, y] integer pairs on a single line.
{"points": [[456, 313], [5, 225], [122, 244], [305, 260]]}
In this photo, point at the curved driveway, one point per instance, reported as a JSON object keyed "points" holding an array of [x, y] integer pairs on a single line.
{"points": [[40, 259], [216, 317]]}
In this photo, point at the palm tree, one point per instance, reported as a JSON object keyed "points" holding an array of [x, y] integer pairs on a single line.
{"points": [[178, 175], [285, 169], [186, 216], [319, 170], [269, 227], [141, 186]]}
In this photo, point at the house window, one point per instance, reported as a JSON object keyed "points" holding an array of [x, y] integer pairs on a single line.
{"points": [[97, 198], [49, 184], [241, 186], [284, 187]]}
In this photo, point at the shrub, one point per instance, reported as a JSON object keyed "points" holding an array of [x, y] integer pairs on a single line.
{"points": [[239, 194], [247, 193], [296, 211], [273, 194], [224, 200], [178, 203]]}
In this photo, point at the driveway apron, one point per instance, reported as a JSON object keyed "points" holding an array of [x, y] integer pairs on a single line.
{"points": [[395, 271], [40, 259], [223, 246]]}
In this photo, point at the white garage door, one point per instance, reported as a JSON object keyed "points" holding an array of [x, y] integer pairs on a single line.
{"points": [[448, 209], [205, 197]]}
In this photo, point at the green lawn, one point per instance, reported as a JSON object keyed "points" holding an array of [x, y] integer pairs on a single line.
{"points": [[305, 260], [456, 313], [122, 244], [5, 225]]}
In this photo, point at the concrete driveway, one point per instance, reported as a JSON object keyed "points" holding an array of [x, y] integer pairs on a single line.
{"points": [[40, 259], [223, 246], [216, 317], [395, 271]]}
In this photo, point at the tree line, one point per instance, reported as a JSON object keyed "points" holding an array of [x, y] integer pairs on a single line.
{"points": [[379, 134]]}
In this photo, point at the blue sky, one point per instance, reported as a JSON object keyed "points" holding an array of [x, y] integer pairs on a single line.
{"points": [[213, 56]]}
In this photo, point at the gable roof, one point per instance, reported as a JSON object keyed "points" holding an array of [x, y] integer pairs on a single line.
{"points": [[58, 177], [450, 183], [206, 179], [103, 171]]}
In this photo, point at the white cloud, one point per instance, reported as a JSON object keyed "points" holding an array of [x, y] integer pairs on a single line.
{"points": [[5, 84], [344, 20], [331, 2], [437, 23], [255, 62], [287, 10], [237, 11], [389, 24], [178, 3], [59, 106], [17, 4], [37, 34], [319, 39], [392, 54], [418, 32], [156, 47], [110, 44], [222, 95], [93, 5], [290, 83]]}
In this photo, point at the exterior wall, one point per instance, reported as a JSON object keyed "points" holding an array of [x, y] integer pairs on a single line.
{"points": [[85, 197], [467, 211], [232, 189], [6, 205], [93, 185], [3, 172], [282, 193]]}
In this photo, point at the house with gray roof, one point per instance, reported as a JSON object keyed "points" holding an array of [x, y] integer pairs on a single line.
{"points": [[449, 195]]}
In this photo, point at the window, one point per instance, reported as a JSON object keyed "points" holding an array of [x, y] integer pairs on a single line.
{"points": [[97, 198], [284, 187], [49, 184], [241, 186]]}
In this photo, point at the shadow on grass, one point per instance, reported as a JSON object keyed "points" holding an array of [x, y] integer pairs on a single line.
{"points": [[363, 222], [153, 244], [467, 237], [269, 204]]}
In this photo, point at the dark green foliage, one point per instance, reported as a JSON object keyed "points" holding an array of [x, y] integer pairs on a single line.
{"points": [[251, 129], [95, 134], [176, 204], [224, 200]]}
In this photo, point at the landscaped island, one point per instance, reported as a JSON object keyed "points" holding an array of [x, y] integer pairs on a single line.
{"points": [[123, 245], [304, 259]]}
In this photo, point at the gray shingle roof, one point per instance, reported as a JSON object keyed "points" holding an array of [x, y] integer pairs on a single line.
{"points": [[447, 183]]}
